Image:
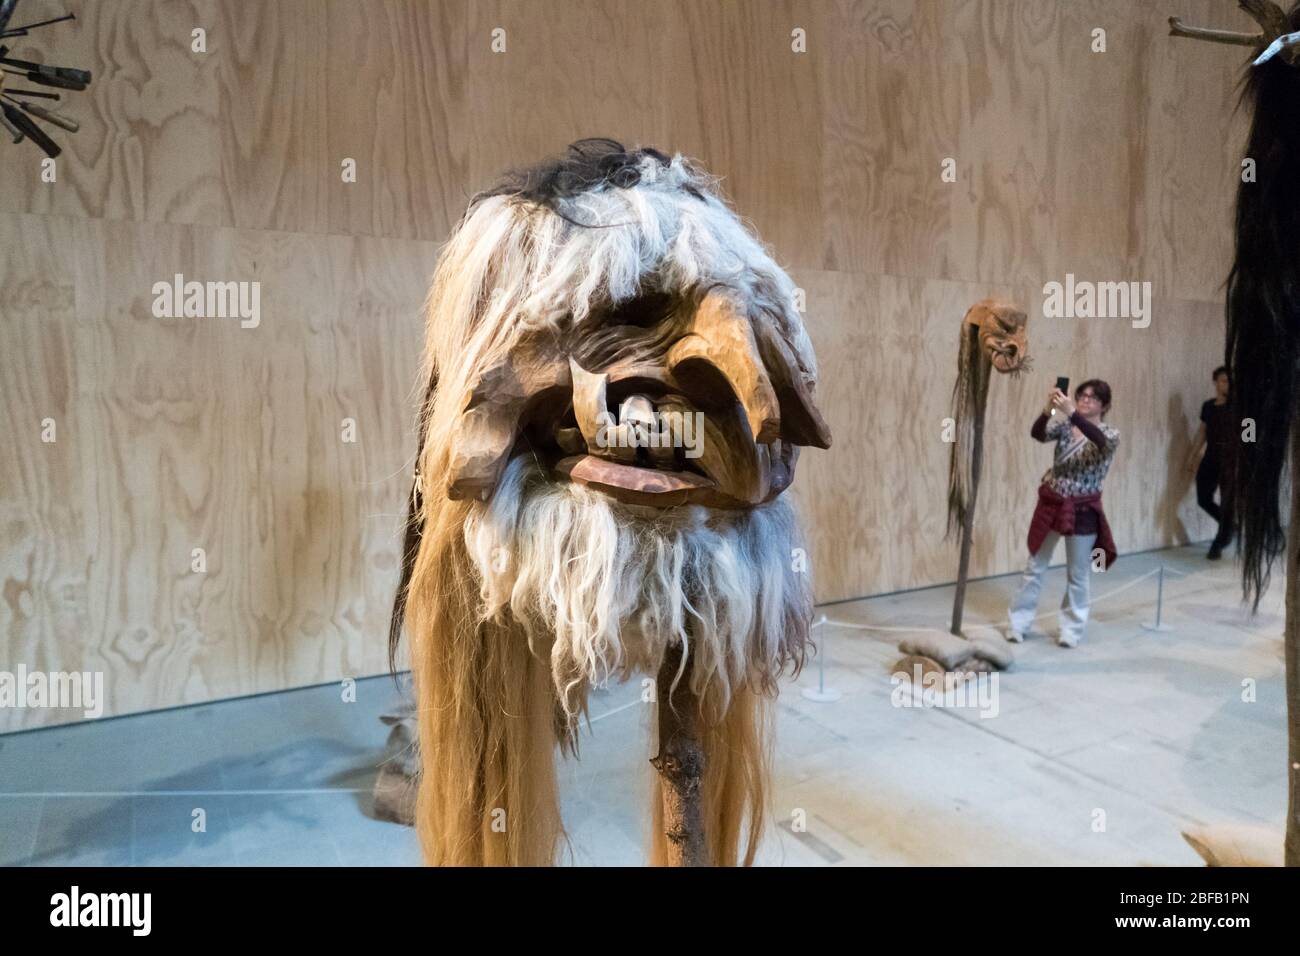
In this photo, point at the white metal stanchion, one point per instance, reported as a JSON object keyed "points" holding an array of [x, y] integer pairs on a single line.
{"points": [[821, 693], [1160, 600]]}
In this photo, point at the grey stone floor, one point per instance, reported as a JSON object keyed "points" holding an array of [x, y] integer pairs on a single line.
{"points": [[1097, 755]]}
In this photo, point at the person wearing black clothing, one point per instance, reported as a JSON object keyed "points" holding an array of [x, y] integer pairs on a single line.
{"points": [[1215, 437]]}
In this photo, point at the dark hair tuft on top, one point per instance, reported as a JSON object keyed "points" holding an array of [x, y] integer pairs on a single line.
{"points": [[588, 165]]}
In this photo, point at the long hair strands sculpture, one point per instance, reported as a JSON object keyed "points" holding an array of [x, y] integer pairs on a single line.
{"points": [[1263, 336], [993, 336]]}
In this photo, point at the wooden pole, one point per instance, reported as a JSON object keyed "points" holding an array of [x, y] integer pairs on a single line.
{"points": [[680, 762], [968, 523], [1291, 641]]}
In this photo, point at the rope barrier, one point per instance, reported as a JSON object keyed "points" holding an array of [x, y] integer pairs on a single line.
{"points": [[823, 694], [1006, 622]]}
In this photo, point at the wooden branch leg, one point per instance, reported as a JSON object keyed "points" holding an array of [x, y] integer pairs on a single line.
{"points": [[968, 525], [681, 764], [1179, 29], [1291, 641]]}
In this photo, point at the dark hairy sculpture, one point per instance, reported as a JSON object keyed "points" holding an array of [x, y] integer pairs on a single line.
{"points": [[1263, 335]]}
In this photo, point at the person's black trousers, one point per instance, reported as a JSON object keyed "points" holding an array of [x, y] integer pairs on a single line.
{"points": [[1209, 476]]}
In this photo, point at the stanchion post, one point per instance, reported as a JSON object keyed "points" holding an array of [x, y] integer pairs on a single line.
{"points": [[821, 693], [1160, 600]]}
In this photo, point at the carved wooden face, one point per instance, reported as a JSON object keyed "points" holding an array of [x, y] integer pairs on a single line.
{"points": [[668, 398], [1002, 334]]}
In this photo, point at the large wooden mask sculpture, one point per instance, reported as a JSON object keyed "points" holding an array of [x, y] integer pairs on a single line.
{"points": [[619, 383]]}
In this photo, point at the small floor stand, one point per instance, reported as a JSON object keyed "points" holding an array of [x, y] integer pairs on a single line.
{"points": [[821, 693], [1157, 625], [398, 779]]}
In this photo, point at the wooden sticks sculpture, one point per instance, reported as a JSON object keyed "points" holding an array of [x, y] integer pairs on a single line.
{"points": [[618, 383], [16, 107], [1277, 36]]}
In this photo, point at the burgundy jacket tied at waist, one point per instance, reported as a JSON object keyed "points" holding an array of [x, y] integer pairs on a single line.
{"points": [[1056, 513]]}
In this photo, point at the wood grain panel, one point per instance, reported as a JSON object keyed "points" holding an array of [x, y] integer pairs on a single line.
{"points": [[740, 98], [184, 433], [568, 71], [888, 122], [196, 433], [1196, 139], [401, 113], [42, 552]]}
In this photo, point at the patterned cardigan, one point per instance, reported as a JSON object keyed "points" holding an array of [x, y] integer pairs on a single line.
{"points": [[1078, 468]]}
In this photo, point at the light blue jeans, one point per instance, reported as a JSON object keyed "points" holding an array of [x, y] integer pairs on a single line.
{"points": [[1073, 616]]}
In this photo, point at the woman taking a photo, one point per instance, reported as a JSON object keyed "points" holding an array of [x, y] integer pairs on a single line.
{"points": [[1069, 506]]}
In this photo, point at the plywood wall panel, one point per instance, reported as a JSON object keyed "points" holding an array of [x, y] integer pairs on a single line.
{"points": [[567, 71], [1196, 138], [42, 593], [402, 114], [186, 433], [888, 123], [737, 94], [176, 434]]}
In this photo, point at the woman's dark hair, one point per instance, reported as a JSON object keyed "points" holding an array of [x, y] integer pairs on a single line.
{"points": [[1100, 389], [1221, 370]]}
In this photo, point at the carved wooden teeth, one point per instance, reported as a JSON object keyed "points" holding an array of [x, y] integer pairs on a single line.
{"points": [[637, 416], [618, 440], [643, 418], [614, 438], [636, 420]]}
